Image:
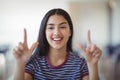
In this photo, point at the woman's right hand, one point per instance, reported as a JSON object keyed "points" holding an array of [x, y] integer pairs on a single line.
{"points": [[21, 52]]}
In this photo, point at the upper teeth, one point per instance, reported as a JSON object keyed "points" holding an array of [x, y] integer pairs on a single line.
{"points": [[57, 39]]}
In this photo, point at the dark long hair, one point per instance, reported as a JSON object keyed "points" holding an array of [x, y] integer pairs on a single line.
{"points": [[43, 47]]}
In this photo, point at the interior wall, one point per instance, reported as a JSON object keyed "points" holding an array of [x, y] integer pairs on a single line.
{"points": [[115, 6], [91, 16], [15, 15]]}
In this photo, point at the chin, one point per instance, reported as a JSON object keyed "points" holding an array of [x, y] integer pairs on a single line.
{"points": [[58, 47]]}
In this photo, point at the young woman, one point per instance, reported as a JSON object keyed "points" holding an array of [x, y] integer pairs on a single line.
{"points": [[53, 58]]}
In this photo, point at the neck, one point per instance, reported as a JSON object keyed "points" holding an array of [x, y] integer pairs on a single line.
{"points": [[57, 54], [57, 57]]}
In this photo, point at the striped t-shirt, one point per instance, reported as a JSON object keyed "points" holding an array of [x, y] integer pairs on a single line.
{"points": [[73, 68]]}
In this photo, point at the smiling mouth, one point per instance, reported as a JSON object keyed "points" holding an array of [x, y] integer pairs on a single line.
{"points": [[57, 40]]}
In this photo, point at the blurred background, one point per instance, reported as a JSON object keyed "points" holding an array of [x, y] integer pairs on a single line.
{"points": [[101, 17]]}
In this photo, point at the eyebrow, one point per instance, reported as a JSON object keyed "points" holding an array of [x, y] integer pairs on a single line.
{"points": [[63, 23], [59, 24]]}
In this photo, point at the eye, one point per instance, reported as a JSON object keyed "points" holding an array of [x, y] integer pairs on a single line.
{"points": [[62, 27], [50, 27]]}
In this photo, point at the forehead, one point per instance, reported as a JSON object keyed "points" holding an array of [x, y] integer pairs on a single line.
{"points": [[56, 19]]}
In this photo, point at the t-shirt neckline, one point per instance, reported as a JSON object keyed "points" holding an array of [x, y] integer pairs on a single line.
{"points": [[59, 66]]}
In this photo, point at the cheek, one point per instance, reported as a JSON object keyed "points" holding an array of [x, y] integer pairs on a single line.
{"points": [[67, 35], [48, 35]]}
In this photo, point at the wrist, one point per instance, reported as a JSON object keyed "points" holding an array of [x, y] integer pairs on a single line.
{"points": [[20, 63], [93, 71], [92, 64], [93, 67]]}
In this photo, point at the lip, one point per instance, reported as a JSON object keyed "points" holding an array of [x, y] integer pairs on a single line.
{"points": [[57, 40]]}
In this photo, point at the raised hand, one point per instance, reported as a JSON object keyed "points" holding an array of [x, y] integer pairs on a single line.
{"points": [[21, 52], [92, 53]]}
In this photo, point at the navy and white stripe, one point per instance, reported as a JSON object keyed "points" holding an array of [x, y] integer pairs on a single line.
{"points": [[74, 68]]}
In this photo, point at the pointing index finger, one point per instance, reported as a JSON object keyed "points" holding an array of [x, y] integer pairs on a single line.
{"points": [[89, 38], [25, 36]]}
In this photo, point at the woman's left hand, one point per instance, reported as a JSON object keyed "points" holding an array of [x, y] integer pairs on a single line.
{"points": [[92, 53]]}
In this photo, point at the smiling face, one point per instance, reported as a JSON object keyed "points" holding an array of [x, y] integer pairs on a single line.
{"points": [[57, 32]]}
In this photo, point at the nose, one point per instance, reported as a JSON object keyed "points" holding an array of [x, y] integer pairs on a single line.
{"points": [[56, 32]]}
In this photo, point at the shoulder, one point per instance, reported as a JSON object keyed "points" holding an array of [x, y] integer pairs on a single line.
{"points": [[36, 59], [76, 58]]}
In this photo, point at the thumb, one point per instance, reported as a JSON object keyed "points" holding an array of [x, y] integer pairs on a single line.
{"points": [[33, 46], [80, 46]]}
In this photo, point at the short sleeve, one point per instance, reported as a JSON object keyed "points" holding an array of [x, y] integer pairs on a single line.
{"points": [[84, 69], [30, 68]]}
